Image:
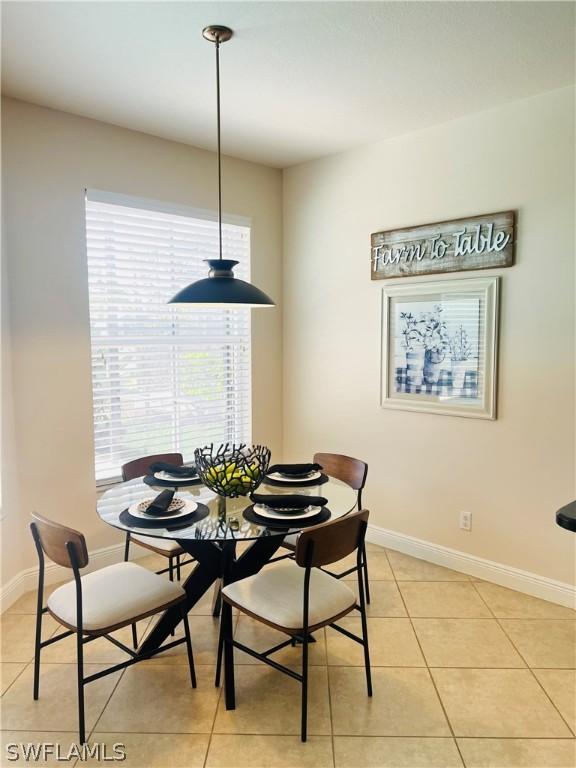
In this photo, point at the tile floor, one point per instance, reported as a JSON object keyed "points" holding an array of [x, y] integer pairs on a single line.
{"points": [[465, 673]]}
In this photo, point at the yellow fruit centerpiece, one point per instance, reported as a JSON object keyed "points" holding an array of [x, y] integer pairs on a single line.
{"points": [[232, 470]]}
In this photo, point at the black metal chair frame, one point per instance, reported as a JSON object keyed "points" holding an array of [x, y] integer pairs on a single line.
{"points": [[302, 634], [83, 637], [364, 565]]}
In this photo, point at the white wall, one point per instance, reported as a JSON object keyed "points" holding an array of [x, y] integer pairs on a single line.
{"points": [[512, 474], [49, 158]]}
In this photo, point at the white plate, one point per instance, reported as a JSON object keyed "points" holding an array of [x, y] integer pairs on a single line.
{"points": [[296, 480], [189, 506], [168, 478], [274, 514]]}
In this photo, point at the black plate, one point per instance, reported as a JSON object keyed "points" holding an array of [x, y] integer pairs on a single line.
{"points": [[153, 481], [253, 517], [173, 523], [298, 484]]}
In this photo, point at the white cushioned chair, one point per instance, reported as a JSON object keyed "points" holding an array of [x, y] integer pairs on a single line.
{"points": [[353, 472], [164, 547], [298, 598], [98, 603]]}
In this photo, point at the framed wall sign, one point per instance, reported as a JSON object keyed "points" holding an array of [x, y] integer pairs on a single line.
{"points": [[440, 347], [481, 242]]}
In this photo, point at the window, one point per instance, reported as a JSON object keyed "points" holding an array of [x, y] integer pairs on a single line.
{"points": [[164, 377]]}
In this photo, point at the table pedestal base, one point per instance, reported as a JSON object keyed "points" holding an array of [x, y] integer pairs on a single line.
{"points": [[216, 561]]}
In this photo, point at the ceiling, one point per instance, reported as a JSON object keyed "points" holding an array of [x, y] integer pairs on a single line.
{"points": [[299, 79]]}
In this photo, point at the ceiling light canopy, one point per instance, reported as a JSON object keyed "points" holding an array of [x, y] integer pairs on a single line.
{"points": [[221, 288]]}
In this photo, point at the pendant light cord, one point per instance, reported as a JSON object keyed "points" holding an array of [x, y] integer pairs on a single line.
{"points": [[217, 43]]}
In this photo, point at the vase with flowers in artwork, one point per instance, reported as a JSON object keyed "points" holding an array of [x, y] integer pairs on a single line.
{"points": [[461, 352], [436, 343], [414, 349]]}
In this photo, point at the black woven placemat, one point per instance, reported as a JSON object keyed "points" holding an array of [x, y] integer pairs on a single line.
{"points": [[253, 517], [153, 481], [170, 523], [296, 484]]}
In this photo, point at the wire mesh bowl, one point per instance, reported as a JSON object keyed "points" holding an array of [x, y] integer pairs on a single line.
{"points": [[232, 470]]}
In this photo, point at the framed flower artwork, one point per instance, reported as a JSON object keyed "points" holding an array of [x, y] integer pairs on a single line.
{"points": [[440, 347]]}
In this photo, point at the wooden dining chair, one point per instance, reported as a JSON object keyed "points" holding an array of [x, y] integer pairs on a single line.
{"points": [[164, 547], [98, 603], [353, 472], [300, 598]]}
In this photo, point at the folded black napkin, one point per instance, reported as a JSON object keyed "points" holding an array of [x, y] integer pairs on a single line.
{"points": [[294, 470], [288, 501], [178, 470], [160, 504]]}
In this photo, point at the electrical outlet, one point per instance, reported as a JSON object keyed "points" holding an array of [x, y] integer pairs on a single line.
{"points": [[466, 521]]}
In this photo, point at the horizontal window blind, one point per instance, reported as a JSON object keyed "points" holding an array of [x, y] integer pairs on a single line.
{"points": [[165, 377]]}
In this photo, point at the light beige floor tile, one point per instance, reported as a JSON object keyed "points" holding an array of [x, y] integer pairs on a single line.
{"points": [[447, 599], [544, 643], [28, 747], [518, 753], [509, 604], [57, 707], [204, 606], [392, 643], [227, 751], [18, 632], [465, 643], [560, 685], [260, 637], [378, 567], [497, 702], [269, 702], [404, 703], [385, 600], [159, 699], [371, 547], [99, 651], [151, 561], [27, 603], [158, 750], [382, 752], [9, 671], [408, 568], [204, 632]]}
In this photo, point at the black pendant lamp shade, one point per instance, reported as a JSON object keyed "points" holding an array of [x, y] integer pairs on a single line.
{"points": [[221, 288]]}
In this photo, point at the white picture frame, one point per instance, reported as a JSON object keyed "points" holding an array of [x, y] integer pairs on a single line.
{"points": [[440, 347]]}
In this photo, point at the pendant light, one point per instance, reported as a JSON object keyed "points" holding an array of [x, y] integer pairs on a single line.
{"points": [[221, 288]]}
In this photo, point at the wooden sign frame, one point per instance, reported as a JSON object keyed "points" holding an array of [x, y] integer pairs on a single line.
{"points": [[470, 243]]}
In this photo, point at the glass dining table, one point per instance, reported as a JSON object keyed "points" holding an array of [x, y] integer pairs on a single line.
{"points": [[212, 540]]}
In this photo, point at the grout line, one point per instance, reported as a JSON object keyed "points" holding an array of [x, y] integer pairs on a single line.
{"points": [[529, 668], [220, 689], [315, 736], [432, 680], [24, 668], [329, 698]]}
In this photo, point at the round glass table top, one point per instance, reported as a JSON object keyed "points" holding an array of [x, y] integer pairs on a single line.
{"points": [[221, 524]]}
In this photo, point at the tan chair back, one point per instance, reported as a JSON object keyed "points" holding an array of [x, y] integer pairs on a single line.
{"points": [[332, 540], [53, 538], [141, 467], [345, 468]]}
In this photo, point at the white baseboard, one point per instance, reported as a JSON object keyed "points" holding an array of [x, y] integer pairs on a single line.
{"points": [[27, 580], [487, 570]]}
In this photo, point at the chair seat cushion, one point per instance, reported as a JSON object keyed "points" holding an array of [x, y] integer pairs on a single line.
{"points": [[276, 595], [169, 546], [113, 596]]}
